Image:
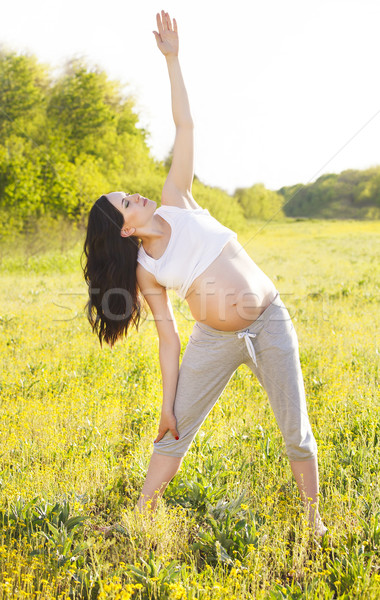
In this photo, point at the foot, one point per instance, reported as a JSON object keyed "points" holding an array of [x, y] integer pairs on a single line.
{"points": [[108, 530], [318, 528], [144, 511]]}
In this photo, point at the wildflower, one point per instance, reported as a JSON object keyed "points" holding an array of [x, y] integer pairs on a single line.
{"points": [[178, 592]]}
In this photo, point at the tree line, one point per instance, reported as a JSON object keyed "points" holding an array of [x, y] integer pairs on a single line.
{"points": [[351, 194], [64, 140]]}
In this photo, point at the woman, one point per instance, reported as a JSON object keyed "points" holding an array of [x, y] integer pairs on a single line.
{"points": [[132, 247]]}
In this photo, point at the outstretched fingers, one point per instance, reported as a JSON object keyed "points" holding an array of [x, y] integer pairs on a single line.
{"points": [[169, 22], [159, 24], [167, 35], [166, 22]]}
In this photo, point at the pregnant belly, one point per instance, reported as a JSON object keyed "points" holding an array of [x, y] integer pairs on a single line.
{"points": [[232, 292]]}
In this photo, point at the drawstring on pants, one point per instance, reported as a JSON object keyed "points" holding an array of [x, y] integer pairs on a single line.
{"points": [[251, 350]]}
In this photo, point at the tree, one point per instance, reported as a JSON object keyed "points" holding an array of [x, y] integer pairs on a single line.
{"points": [[23, 86], [260, 203], [80, 109]]}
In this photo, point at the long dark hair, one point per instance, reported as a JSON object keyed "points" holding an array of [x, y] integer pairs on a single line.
{"points": [[110, 273]]}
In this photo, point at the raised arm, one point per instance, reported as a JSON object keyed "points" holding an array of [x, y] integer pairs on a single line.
{"points": [[177, 188]]}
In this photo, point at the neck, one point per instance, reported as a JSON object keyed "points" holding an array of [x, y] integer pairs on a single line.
{"points": [[153, 232]]}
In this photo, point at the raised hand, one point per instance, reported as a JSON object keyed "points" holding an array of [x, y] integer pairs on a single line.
{"points": [[167, 35]]}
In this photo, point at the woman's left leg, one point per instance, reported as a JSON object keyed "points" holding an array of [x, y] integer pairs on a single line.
{"points": [[275, 361], [306, 475]]}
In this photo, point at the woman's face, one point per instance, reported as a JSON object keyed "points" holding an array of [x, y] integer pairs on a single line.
{"points": [[136, 209]]}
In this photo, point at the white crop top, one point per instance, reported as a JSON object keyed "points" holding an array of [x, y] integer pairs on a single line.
{"points": [[196, 240]]}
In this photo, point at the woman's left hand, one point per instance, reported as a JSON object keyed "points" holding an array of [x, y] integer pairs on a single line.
{"points": [[168, 422], [167, 35]]}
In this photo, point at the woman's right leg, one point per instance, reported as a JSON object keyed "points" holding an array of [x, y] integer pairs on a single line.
{"points": [[209, 361]]}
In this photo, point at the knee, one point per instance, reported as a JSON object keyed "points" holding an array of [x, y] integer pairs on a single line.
{"points": [[306, 449], [166, 463], [169, 446], [299, 439], [296, 456], [169, 452]]}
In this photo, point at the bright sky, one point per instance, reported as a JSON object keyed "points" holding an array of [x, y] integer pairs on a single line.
{"points": [[276, 88]]}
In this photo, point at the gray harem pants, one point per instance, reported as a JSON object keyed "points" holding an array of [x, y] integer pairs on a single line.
{"points": [[269, 346]]}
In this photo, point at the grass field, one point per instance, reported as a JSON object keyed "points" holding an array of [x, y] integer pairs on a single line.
{"points": [[77, 426]]}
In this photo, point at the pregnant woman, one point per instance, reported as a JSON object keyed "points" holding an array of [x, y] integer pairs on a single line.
{"points": [[135, 251]]}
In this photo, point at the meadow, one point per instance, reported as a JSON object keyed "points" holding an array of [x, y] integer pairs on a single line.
{"points": [[77, 425]]}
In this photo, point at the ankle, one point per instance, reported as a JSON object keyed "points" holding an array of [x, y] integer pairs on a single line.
{"points": [[315, 522], [146, 507]]}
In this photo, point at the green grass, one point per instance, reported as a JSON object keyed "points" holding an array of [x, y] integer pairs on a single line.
{"points": [[77, 425]]}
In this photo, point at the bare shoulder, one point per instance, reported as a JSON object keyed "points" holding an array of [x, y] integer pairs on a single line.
{"points": [[172, 196]]}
